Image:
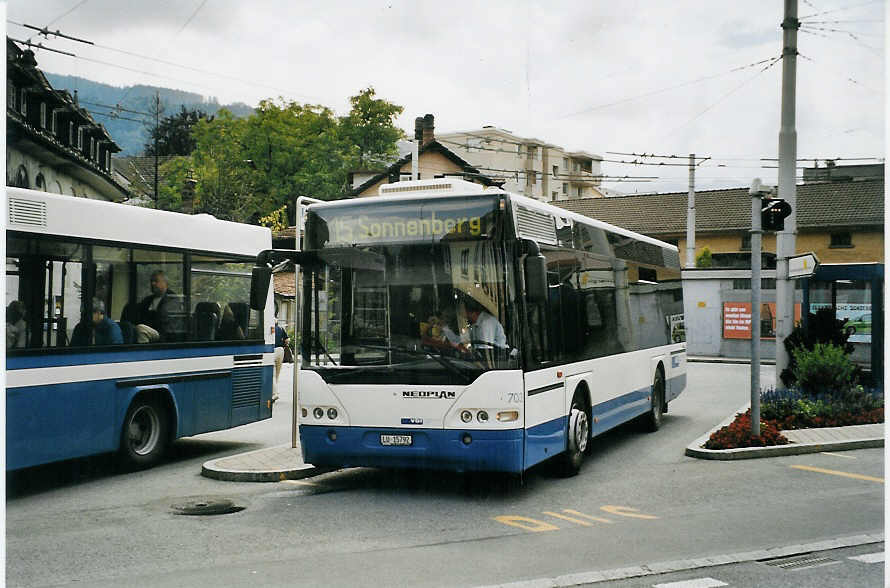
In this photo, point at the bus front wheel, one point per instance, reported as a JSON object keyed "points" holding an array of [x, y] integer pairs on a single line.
{"points": [[578, 437], [144, 435]]}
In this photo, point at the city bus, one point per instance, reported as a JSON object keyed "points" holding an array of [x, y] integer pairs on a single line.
{"points": [[127, 328], [447, 326]]}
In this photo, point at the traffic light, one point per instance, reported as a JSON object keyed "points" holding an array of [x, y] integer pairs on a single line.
{"points": [[773, 213]]}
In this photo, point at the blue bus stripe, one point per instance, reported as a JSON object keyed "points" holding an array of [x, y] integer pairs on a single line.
{"points": [[40, 359]]}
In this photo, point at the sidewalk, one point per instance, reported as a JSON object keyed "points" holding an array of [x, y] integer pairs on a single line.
{"points": [[271, 464]]}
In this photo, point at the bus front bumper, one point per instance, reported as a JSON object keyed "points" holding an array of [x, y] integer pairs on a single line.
{"points": [[443, 449]]}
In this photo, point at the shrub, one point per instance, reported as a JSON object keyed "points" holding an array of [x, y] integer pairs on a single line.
{"points": [[825, 369], [738, 434], [822, 327], [704, 258]]}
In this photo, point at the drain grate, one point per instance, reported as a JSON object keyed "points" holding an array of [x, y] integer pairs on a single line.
{"points": [[799, 563], [206, 507]]}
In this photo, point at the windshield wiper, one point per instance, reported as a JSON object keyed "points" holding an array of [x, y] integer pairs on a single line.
{"points": [[441, 359]]}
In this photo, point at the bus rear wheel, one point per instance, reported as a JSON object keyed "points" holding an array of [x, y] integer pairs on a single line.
{"points": [[655, 416], [578, 437], [144, 436]]}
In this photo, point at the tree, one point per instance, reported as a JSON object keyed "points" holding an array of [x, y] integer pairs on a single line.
{"points": [[174, 133], [370, 127]]}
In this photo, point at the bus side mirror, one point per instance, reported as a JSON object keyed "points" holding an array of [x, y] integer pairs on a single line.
{"points": [[259, 286], [536, 279]]}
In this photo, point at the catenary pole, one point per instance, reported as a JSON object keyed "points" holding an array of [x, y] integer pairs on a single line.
{"points": [[786, 239], [690, 216], [756, 246]]}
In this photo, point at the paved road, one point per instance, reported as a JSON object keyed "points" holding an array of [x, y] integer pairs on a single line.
{"points": [[638, 499]]}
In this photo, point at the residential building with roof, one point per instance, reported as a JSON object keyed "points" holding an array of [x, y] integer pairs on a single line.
{"points": [[52, 144], [840, 221], [137, 174], [435, 160], [529, 166]]}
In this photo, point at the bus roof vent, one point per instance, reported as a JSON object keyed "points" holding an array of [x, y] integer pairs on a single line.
{"points": [[31, 213], [535, 225], [438, 186]]}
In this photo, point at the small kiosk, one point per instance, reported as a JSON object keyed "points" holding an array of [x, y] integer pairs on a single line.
{"points": [[855, 292]]}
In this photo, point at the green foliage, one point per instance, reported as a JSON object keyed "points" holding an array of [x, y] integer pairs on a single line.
{"points": [[704, 258], [252, 169], [822, 327], [276, 220], [174, 133], [174, 173], [370, 126], [823, 369]]}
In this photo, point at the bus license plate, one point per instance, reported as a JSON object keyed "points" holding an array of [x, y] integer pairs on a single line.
{"points": [[395, 439]]}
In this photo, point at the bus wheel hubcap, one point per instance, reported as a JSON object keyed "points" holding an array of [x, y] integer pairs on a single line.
{"points": [[579, 430], [143, 431]]}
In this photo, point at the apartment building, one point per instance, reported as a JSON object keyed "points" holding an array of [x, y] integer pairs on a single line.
{"points": [[528, 166]]}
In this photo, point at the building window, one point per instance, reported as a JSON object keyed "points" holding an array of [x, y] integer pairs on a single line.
{"points": [[565, 162], [565, 188], [10, 95], [43, 115], [841, 240], [532, 152], [746, 242], [555, 196], [70, 133], [555, 170], [40, 183], [80, 138], [745, 283], [108, 161], [21, 178], [579, 191], [23, 104]]}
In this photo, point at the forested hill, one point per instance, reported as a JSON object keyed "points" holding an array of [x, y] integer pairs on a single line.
{"points": [[127, 129]]}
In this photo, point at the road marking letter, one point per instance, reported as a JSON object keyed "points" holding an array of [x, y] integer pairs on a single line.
{"points": [[626, 511], [526, 523], [869, 557], [566, 518], [587, 516]]}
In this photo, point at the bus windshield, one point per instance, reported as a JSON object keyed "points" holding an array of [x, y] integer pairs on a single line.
{"points": [[432, 313]]}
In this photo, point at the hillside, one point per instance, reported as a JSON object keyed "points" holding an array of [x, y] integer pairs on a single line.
{"points": [[131, 135]]}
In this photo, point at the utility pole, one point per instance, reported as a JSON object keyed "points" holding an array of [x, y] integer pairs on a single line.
{"points": [[756, 247], [786, 245], [690, 216], [157, 125]]}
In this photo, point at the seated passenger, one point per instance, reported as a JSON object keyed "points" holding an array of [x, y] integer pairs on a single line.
{"points": [[105, 330], [228, 328], [16, 328]]}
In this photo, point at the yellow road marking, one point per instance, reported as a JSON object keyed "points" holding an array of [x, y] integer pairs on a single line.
{"points": [[526, 523], [837, 473], [300, 482], [626, 511], [570, 519], [587, 516], [837, 455]]}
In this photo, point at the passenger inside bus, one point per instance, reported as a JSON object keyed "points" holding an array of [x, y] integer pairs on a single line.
{"points": [[16, 328]]}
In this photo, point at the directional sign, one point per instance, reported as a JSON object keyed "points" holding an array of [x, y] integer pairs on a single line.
{"points": [[803, 265]]}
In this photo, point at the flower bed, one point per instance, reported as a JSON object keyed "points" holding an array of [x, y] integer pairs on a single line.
{"points": [[738, 434], [793, 409]]}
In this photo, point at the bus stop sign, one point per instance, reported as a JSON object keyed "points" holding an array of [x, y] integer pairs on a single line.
{"points": [[803, 265]]}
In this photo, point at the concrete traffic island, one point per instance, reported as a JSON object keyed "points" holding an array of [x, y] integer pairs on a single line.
{"points": [[800, 441]]}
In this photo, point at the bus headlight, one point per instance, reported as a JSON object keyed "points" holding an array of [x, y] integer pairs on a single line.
{"points": [[507, 416], [332, 413], [466, 416], [482, 416], [318, 412], [304, 412]]}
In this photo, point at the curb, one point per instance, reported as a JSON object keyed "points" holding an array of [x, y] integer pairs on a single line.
{"points": [[696, 450], [213, 469], [666, 567]]}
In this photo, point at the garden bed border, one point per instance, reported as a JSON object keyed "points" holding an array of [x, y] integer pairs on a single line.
{"points": [[696, 449]]}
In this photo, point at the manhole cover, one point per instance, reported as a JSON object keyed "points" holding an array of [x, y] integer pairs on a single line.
{"points": [[205, 507]]}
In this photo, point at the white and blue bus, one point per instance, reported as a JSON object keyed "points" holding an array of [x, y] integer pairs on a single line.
{"points": [[454, 327], [175, 351]]}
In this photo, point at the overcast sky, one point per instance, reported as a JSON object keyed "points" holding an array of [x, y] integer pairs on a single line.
{"points": [[639, 76]]}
